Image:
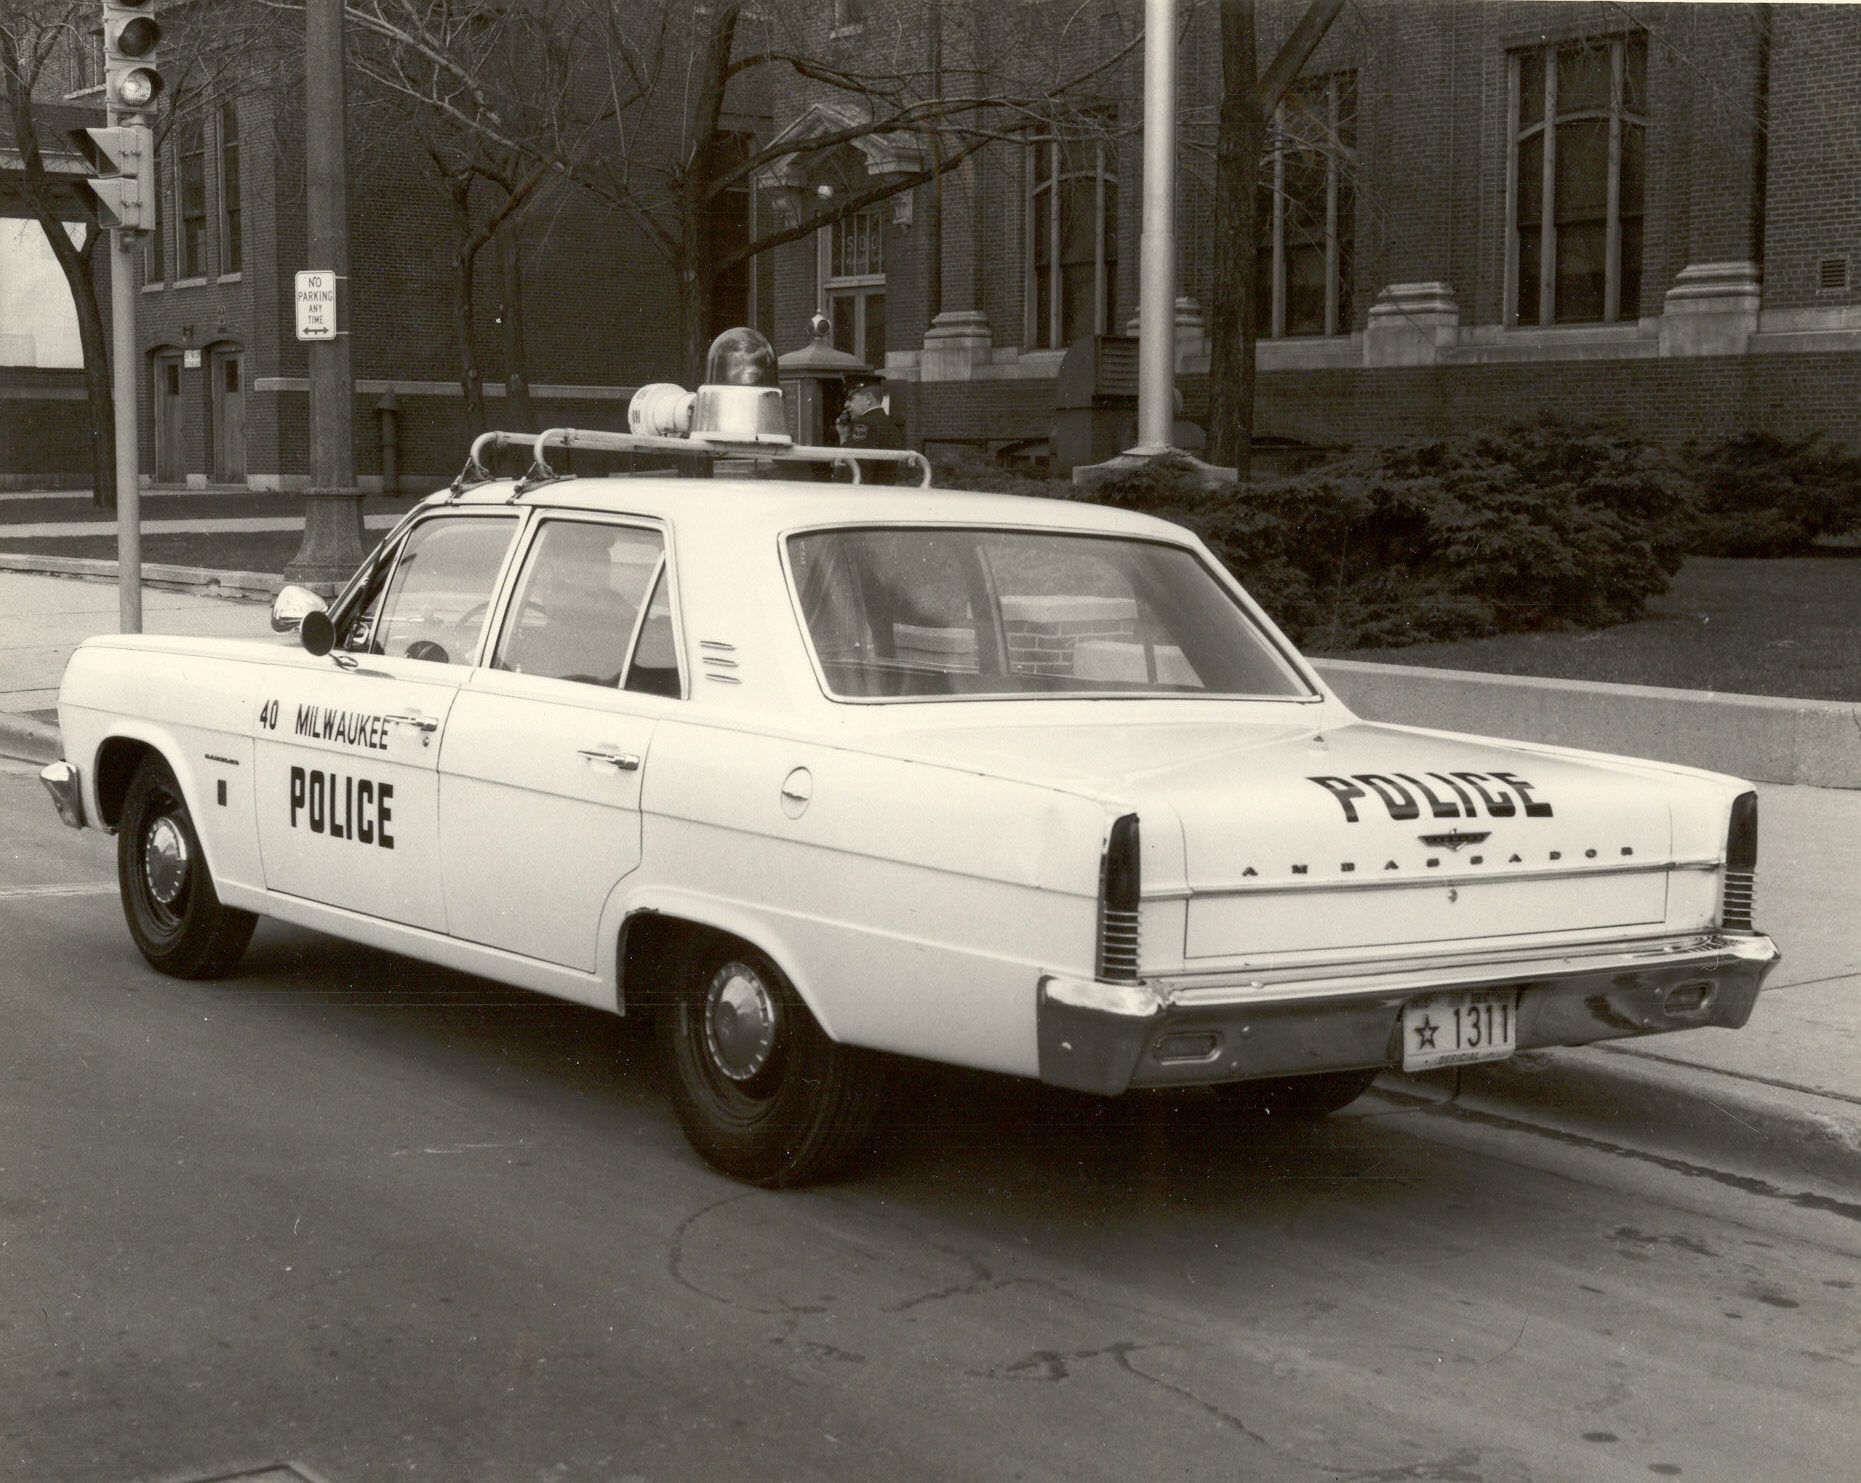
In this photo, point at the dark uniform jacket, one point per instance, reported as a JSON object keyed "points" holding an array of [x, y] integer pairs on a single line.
{"points": [[875, 428]]}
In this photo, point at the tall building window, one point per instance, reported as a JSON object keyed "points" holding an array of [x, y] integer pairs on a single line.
{"points": [[1303, 264], [155, 265], [1071, 256], [232, 246], [1579, 167], [193, 192], [853, 283]]}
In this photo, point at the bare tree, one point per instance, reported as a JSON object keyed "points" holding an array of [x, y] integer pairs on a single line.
{"points": [[1249, 99], [502, 101], [641, 103], [36, 37]]}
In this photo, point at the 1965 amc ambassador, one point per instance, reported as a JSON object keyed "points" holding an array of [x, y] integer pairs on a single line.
{"points": [[821, 771]]}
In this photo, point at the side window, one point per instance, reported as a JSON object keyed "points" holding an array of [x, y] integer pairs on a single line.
{"points": [[433, 603], [578, 609], [654, 667]]}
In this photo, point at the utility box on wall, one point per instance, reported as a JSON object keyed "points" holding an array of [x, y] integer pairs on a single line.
{"points": [[1094, 402]]}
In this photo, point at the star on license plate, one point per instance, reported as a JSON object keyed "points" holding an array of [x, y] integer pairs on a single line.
{"points": [[1460, 1028]]}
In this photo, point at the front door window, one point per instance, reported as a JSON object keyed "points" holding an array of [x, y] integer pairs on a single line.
{"points": [[348, 745]]}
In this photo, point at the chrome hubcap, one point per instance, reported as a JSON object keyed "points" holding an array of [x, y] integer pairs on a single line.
{"points": [[739, 1021], [164, 860]]}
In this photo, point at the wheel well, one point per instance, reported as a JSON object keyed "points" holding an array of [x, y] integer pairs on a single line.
{"points": [[654, 949], [117, 761]]}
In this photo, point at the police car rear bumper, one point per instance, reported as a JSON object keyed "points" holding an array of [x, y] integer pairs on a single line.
{"points": [[1188, 1030], [61, 781]]}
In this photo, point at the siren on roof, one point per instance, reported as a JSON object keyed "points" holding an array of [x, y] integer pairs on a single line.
{"points": [[739, 403]]}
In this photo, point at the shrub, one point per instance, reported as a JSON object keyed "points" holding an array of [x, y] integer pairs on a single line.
{"points": [[1761, 495], [1535, 526]]}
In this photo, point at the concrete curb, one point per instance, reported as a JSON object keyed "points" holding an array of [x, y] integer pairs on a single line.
{"points": [[1813, 743], [1624, 1096], [28, 740], [238, 586]]}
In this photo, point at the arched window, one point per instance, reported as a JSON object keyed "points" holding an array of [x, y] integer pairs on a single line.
{"points": [[852, 276], [1071, 257], [1579, 165], [1307, 217]]}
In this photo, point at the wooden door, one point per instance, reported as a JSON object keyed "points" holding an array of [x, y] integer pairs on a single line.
{"points": [[170, 445], [229, 418]]}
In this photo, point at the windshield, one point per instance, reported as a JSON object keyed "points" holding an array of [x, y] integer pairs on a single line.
{"points": [[942, 612]]}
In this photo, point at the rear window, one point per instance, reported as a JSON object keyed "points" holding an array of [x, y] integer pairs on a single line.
{"points": [[941, 612]]}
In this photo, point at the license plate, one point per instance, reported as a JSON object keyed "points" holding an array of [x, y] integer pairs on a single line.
{"points": [[1459, 1029]]}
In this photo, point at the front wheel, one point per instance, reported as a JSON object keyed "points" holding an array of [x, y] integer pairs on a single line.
{"points": [[174, 915], [1316, 1095], [762, 1092]]}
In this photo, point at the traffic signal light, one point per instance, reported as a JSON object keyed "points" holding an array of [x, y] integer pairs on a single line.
{"points": [[122, 188], [132, 38]]}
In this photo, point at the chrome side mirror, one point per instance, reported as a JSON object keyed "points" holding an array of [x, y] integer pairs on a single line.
{"points": [[291, 604]]}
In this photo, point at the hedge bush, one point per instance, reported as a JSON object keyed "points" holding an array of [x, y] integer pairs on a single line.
{"points": [[1534, 526], [1761, 495]]}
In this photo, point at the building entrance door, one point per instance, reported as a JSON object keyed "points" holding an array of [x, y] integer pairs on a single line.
{"points": [[229, 417], [170, 459]]}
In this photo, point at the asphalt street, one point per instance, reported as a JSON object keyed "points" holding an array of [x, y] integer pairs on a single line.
{"points": [[388, 1222]]}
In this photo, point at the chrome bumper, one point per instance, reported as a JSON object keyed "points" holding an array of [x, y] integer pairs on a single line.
{"points": [[1188, 1030], [61, 781]]}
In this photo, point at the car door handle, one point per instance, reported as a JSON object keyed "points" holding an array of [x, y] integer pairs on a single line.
{"points": [[612, 757], [422, 723]]}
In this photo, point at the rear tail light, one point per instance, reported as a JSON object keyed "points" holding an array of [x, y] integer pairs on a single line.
{"points": [[1119, 887], [1739, 893]]}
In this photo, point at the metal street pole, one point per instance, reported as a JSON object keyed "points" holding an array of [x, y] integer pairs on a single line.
{"points": [[1156, 323], [333, 541], [123, 394]]}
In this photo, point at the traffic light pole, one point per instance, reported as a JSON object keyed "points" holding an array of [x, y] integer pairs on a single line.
{"points": [[128, 472]]}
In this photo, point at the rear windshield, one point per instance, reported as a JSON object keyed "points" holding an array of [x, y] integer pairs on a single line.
{"points": [[941, 612]]}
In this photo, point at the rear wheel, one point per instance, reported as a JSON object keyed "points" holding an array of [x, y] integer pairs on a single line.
{"points": [[174, 915], [762, 1092], [1318, 1095]]}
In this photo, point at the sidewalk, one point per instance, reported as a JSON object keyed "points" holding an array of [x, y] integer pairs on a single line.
{"points": [[1782, 1094]]}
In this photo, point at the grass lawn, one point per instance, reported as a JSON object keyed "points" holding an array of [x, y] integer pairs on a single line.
{"points": [[1789, 627]]}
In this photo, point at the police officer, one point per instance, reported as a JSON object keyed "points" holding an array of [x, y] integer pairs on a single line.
{"points": [[864, 423]]}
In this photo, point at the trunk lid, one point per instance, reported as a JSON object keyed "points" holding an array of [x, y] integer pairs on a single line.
{"points": [[1362, 837]]}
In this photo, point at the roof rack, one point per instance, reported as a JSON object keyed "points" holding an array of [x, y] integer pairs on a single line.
{"points": [[595, 440]]}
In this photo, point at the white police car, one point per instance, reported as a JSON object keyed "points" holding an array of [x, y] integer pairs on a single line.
{"points": [[820, 772]]}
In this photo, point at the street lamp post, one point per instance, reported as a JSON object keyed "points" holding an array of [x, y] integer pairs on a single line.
{"points": [[1156, 270], [333, 538]]}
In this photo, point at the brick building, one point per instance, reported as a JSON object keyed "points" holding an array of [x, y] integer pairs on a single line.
{"points": [[227, 390], [1473, 210], [223, 385]]}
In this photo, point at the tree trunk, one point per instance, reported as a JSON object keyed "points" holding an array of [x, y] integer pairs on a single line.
{"points": [[465, 308], [1239, 141], [693, 265], [509, 250], [78, 264], [1248, 100], [99, 384]]}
